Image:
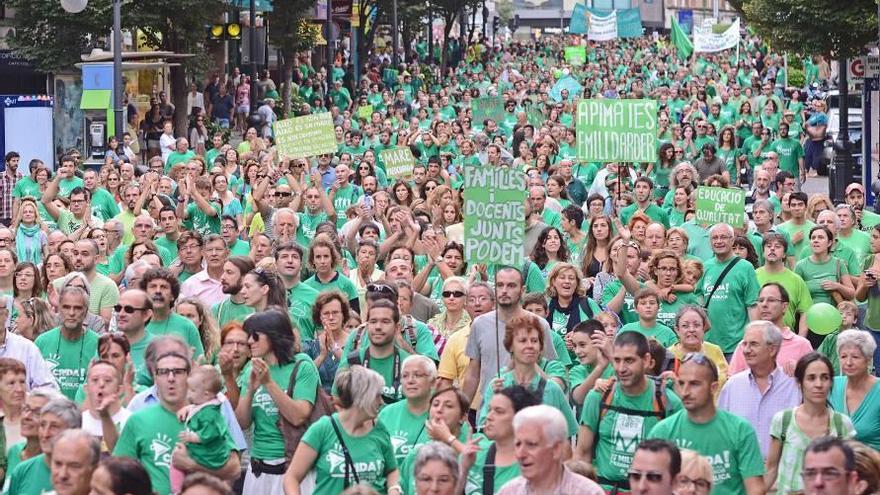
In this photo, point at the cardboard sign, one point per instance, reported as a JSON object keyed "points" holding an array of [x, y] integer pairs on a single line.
{"points": [[720, 205], [494, 215], [306, 136], [399, 162], [610, 130]]}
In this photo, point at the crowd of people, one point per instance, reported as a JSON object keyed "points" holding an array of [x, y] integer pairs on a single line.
{"points": [[203, 317]]}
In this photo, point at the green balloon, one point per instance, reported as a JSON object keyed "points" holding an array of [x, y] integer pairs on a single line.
{"points": [[823, 318], [557, 73]]}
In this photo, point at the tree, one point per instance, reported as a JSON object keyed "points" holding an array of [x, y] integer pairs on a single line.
{"points": [[291, 33], [505, 10], [54, 39], [449, 10], [814, 26]]}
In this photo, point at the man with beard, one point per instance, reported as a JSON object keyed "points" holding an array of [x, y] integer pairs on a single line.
{"points": [[300, 297], [855, 197], [775, 271], [712, 433], [103, 205], [233, 308], [133, 198], [103, 291], [205, 285], [317, 210], [163, 288], [135, 310], [143, 229], [69, 348], [79, 212], [760, 189], [644, 196]]}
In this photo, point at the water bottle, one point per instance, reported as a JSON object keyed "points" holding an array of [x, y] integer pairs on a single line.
{"points": [[113, 327]]}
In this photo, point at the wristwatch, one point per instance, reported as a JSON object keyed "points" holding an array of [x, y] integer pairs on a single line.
{"points": [[438, 260], [450, 439]]}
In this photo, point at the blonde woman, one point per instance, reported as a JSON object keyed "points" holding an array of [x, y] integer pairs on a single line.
{"points": [[695, 476], [196, 311], [31, 241]]}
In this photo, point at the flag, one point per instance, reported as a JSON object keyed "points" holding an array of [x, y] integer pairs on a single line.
{"points": [[681, 40]]}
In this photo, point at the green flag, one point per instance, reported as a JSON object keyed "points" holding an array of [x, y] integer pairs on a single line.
{"points": [[680, 39]]}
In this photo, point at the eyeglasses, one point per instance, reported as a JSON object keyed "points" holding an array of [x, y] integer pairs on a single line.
{"points": [[171, 371], [453, 293], [829, 474], [769, 300], [128, 309], [652, 477], [699, 483]]}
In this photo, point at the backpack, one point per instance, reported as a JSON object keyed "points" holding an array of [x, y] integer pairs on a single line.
{"points": [[605, 405], [409, 331], [354, 358], [291, 433], [788, 417]]}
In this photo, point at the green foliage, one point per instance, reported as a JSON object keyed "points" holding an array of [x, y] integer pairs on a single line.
{"points": [[293, 36], [504, 9], [814, 26], [796, 78]]}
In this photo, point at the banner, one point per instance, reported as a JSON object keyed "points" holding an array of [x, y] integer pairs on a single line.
{"points": [[720, 205], [309, 135], [399, 162], [602, 28], [494, 215], [578, 23], [487, 107], [365, 112], [707, 41], [611, 130], [629, 21], [568, 83], [576, 55]]}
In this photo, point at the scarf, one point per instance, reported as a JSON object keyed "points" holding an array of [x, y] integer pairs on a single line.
{"points": [[28, 244]]}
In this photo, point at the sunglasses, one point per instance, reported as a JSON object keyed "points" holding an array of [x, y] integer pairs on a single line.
{"points": [[283, 194], [383, 288], [128, 309], [651, 477], [453, 293]]}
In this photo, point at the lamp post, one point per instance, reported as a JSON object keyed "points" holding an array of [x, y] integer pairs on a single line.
{"points": [[77, 6]]}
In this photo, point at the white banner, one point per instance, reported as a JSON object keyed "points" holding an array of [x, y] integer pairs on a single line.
{"points": [[602, 28], [707, 41]]}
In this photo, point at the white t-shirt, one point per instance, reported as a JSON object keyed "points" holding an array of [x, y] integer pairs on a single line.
{"points": [[92, 424]]}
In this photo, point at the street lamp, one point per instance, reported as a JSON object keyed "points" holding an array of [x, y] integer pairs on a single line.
{"points": [[77, 6]]}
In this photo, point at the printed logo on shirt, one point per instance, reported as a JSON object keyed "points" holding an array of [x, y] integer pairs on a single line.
{"points": [[400, 442], [263, 400], [68, 378], [367, 471], [627, 434], [161, 447], [720, 462]]}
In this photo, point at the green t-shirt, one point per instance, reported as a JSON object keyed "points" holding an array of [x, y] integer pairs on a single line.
{"points": [[67, 185], [300, 300], [799, 298], [13, 457], [790, 151], [503, 474], [180, 326], [423, 337], [229, 310], [668, 310], [864, 418], [653, 212], [31, 477], [791, 229], [628, 311], [149, 437], [553, 396], [729, 307], [338, 282], [103, 205], [176, 157], [342, 199], [372, 455], [859, 242], [268, 443], [26, 187], [211, 451], [198, 221], [619, 433], [389, 367], [658, 332], [163, 242], [68, 359], [67, 223], [405, 428], [308, 224], [728, 442], [814, 273]]}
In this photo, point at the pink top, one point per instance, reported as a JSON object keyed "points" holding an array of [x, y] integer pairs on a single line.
{"points": [[793, 348], [572, 484]]}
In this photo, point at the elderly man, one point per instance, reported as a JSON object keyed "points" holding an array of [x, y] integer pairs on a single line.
{"points": [[33, 476], [762, 390], [713, 434], [205, 285], [830, 468], [30, 428], [541, 447], [654, 468], [730, 290], [75, 456]]}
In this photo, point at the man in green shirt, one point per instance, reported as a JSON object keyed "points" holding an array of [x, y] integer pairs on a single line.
{"points": [[69, 347], [134, 312], [27, 186], [727, 441], [104, 206], [79, 211], [791, 153], [150, 435], [848, 235], [34, 476], [300, 297], [343, 194], [171, 233], [614, 422], [163, 288], [233, 308], [797, 226], [181, 154], [774, 270], [229, 231], [644, 196]]}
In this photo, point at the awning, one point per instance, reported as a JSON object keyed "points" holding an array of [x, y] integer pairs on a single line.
{"points": [[96, 99]]}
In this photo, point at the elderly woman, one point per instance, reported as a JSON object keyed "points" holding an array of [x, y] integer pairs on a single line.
{"points": [[353, 432], [436, 470], [695, 476], [405, 420], [857, 393], [568, 305], [275, 352], [453, 317], [13, 387], [524, 340], [331, 311], [793, 429], [691, 325]]}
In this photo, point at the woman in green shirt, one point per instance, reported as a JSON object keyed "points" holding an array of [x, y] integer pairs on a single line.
{"points": [[659, 172], [770, 117], [728, 152], [348, 447], [745, 121], [826, 276], [495, 447]]}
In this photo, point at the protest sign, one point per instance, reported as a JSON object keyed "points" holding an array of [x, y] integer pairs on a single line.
{"points": [[705, 40], [602, 28], [610, 130], [494, 215], [309, 135], [576, 55], [365, 112], [487, 107], [720, 205], [399, 162]]}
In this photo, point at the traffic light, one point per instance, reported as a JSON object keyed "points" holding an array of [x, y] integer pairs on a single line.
{"points": [[222, 32], [495, 21], [514, 23]]}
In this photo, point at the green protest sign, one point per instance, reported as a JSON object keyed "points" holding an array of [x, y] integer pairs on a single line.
{"points": [[399, 162], [610, 130], [309, 135], [720, 205], [365, 112], [535, 117], [487, 107], [494, 215], [576, 55]]}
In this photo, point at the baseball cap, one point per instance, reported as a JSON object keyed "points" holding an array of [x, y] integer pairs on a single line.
{"points": [[853, 187]]}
